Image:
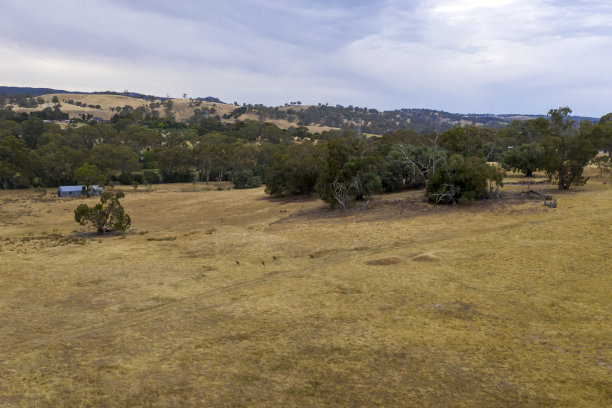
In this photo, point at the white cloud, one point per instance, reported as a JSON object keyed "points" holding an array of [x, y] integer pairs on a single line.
{"points": [[461, 55], [473, 52]]}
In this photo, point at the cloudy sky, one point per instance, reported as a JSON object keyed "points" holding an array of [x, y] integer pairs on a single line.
{"points": [[465, 56]]}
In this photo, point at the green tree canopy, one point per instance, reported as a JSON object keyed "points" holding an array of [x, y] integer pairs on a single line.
{"points": [[526, 159], [89, 175], [566, 151], [106, 216]]}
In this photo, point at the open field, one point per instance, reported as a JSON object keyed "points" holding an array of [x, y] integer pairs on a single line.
{"points": [[405, 304]]}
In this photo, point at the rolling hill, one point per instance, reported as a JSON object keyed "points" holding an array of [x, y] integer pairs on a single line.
{"points": [[316, 118]]}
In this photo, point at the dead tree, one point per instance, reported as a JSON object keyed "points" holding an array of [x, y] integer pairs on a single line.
{"points": [[549, 201], [436, 157], [448, 194], [342, 193]]}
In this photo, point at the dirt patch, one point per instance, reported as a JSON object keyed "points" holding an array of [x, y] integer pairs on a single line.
{"points": [[384, 261], [426, 257]]}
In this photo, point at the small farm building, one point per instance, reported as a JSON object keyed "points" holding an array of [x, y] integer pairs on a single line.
{"points": [[75, 191]]}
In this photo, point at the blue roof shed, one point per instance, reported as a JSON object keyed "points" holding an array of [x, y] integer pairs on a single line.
{"points": [[75, 191], [70, 191]]}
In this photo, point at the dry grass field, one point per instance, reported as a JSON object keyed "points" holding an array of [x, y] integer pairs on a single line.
{"points": [[498, 303]]}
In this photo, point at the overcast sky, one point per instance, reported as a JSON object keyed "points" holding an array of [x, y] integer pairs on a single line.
{"points": [[464, 56]]}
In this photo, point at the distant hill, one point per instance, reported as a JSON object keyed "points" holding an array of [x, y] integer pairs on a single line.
{"points": [[20, 90], [317, 118], [379, 122]]}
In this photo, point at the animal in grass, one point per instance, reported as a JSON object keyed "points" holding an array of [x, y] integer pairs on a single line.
{"points": [[238, 263], [263, 263], [311, 256], [274, 257]]}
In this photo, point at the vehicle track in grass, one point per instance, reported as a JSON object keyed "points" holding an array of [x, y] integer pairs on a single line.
{"points": [[194, 302]]}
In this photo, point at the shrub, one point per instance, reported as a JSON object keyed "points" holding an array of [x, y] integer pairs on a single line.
{"points": [[151, 177], [178, 177], [245, 179], [125, 179], [463, 179]]}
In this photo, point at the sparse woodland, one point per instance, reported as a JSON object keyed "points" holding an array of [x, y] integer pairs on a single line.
{"points": [[139, 147]]}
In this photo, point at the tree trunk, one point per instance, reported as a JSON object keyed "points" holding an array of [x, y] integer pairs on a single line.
{"points": [[561, 180]]}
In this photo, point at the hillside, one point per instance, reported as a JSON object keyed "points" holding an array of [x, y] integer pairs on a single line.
{"points": [[77, 104], [22, 90], [317, 118]]}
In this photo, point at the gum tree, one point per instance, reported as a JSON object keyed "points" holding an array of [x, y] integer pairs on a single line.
{"points": [[106, 216]]}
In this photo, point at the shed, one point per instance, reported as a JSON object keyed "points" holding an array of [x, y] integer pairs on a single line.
{"points": [[75, 191], [70, 191]]}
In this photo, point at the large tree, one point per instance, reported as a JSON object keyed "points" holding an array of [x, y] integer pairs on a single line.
{"points": [[294, 170], [106, 216], [208, 153], [349, 173], [566, 151], [174, 163], [16, 162], [526, 158], [112, 159], [89, 175]]}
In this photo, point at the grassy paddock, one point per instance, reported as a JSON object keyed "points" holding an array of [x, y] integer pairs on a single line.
{"points": [[405, 304]]}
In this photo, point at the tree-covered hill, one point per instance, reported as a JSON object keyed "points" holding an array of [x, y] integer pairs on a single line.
{"points": [[377, 122], [317, 118]]}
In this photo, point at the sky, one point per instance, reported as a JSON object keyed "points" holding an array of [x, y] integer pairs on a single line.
{"points": [[462, 56]]}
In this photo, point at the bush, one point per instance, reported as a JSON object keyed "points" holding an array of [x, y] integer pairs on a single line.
{"points": [[138, 178], [463, 179], [245, 179], [178, 177], [151, 177], [125, 179]]}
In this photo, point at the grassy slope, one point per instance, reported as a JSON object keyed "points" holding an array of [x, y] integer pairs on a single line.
{"points": [[181, 110], [402, 305]]}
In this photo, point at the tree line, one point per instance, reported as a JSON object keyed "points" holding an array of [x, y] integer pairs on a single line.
{"points": [[138, 147]]}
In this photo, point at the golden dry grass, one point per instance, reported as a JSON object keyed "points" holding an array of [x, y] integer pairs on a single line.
{"points": [[181, 109], [405, 304]]}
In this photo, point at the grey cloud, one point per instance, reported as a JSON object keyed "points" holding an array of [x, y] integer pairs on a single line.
{"points": [[458, 55]]}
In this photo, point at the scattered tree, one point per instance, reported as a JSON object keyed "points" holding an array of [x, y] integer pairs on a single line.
{"points": [[603, 163], [106, 216], [566, 152]]}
